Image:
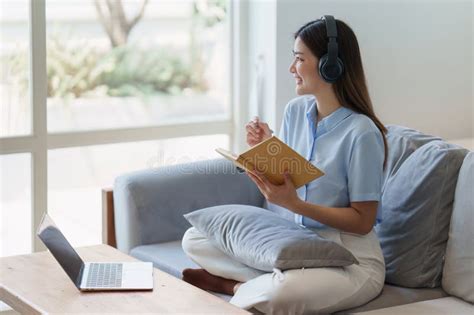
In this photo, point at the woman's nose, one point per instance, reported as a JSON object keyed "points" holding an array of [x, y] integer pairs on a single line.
{"points": [[292, 67]]}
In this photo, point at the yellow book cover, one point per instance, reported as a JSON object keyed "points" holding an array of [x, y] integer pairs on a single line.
{"points": [[272, 157]]}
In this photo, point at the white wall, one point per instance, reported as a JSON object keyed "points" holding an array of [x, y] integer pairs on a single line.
{"points": [[417, 56]]}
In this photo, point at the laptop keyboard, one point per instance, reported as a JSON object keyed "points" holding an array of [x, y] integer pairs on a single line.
{"points": [[104, 275]]}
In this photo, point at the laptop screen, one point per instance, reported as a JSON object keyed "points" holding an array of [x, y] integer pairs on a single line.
{"points": [[57, 244]]}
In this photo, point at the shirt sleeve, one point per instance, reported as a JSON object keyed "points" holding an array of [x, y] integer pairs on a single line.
{"points": [[365, 169]]}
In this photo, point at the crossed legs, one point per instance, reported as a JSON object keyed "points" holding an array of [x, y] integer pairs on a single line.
{"points": [[206, 281], [323, 290], [221, 273]]}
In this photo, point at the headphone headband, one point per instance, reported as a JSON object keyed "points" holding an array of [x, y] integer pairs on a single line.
{"points": [[330, 66], [331, 31]]}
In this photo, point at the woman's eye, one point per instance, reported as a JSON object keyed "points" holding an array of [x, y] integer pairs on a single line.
{"points": [[298, 58]]}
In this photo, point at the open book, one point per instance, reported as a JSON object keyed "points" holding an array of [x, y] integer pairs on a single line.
{"points": [[272, 157]]}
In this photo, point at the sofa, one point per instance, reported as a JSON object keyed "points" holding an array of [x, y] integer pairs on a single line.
{"points": [[149, 206]]}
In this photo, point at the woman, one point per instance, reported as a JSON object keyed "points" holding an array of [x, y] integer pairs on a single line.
{"points": [[334, 126]]}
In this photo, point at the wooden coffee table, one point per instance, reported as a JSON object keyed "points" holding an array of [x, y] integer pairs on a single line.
{"points": [[36, 283]]}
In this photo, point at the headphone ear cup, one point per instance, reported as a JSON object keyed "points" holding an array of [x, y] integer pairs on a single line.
{"points": [[322, 63], [330, 73], [340, 66]]}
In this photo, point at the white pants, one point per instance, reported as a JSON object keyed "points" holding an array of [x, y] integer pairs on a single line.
{"points": [[298, 291]]}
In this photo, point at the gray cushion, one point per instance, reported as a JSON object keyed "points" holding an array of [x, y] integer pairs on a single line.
{"points": [[393, 295], [416, 207], [402, 142], [458, 273], [263, 240], [168, 257], [442, 306]]}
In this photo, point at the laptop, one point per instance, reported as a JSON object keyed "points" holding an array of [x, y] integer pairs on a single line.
{"points": [[94, 276]]}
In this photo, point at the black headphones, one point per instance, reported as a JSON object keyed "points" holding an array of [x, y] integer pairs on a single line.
{"points": [[331, 66]]}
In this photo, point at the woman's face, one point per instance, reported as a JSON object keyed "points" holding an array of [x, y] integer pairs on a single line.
{"points": [[305, 69]]}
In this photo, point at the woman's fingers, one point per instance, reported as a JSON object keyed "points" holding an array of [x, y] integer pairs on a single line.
{"points": [[255, 124], [257, 131], [257, 181], [263, 178], [266, 129], [254, 177], [254, 130], [252, 140], [253, 134], [254, 137]]}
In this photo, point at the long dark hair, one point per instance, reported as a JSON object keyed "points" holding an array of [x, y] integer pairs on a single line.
{"points": [[351, 89]]}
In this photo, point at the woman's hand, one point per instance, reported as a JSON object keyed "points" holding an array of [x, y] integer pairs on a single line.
{"points": [[257, 132], [283, 195]]}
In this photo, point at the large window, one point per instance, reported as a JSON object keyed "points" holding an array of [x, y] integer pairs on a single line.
{"points": [[91, 89], [122, 63]]}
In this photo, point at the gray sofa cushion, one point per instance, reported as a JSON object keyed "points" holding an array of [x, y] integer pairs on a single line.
{"points": [[168, 257], [263, 240], [442, 306], [416, 209], [458, 273], [393, 295]]}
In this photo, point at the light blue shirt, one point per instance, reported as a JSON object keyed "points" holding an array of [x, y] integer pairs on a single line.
{"points": [[347, 146]]}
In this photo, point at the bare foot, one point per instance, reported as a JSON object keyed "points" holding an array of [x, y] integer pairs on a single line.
{"points": [[206, 281]]}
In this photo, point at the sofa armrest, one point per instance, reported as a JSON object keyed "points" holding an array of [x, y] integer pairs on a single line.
{"points": [[108, 225], [149, 205]]}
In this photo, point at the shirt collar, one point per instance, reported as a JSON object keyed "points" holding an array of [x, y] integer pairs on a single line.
{"points": [[328, 122]]}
